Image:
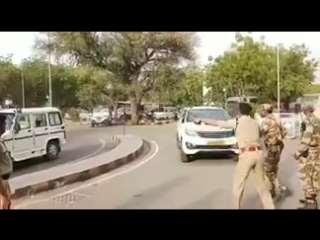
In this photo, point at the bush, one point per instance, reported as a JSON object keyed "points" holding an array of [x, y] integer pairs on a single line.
{"points": [[74, 114]]}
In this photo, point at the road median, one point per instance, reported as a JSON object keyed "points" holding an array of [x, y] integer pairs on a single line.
{"points": [[128, 148]]}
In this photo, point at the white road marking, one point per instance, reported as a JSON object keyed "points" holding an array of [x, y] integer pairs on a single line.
{"points": [[97, 181]]}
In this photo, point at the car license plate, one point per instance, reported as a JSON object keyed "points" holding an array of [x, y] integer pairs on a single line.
{"points": [[216, 143]]}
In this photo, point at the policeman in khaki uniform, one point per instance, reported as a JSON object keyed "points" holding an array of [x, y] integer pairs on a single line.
{"points": [[250, 157], [308, 156], [5, 169], [273, 133]]}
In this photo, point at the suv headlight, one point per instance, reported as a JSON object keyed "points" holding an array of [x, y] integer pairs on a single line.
{"points": [[191, 132]]}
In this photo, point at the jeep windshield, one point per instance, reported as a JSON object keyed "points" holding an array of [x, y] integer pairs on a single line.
{"points": [[207, 113], [9, 119]]}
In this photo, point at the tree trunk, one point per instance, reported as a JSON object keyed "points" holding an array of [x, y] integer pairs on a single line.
{"points": [[135, 102], [110, 111], [115, 109]]}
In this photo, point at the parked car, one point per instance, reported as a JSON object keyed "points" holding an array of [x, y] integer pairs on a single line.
{"points": [[100, 117], [34, 132]]}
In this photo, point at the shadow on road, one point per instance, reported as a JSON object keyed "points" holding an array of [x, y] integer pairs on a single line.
{"points": [[213, 156], [155, 195], [68, 155], [210, 201]]}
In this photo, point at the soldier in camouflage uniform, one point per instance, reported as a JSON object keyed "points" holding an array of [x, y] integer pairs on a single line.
{"points": [[273, 133], [307, 154], [5, 169]]}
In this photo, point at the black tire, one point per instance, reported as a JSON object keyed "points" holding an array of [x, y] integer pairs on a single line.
{"points": [[109, 123], [178, 142], [185, 158], [93, 125], [53, 150]]}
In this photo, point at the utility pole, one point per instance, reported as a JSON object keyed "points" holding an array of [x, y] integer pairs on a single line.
{"points": [[49, 70]]}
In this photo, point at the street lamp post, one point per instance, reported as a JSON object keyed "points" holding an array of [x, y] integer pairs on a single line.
{"points": [[49, 70], [278, 77]]}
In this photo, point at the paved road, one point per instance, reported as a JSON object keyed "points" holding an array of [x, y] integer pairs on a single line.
{"points": [[163, 182], [82, 142]]}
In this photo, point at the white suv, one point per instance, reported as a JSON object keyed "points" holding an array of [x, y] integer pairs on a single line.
{"points": [[193, 139]]}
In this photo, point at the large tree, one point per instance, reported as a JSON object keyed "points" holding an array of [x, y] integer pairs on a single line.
{"points": [[10, 80], [99, 87], [64, 84], [250, 68], [132, 57]]}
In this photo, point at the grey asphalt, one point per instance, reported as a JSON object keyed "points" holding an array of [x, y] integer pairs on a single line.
{"points": [[164, 182], [82, 142]]}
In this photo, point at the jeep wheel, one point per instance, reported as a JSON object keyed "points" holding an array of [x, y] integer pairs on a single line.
{"points": [[53, 150], [93, 125]]}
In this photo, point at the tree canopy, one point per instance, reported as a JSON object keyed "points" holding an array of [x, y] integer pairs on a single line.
{"points": [[250, 67], [132, 58], [99, 68]]}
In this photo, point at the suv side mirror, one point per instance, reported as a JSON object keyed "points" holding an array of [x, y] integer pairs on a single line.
{"points": [[17, 128]]}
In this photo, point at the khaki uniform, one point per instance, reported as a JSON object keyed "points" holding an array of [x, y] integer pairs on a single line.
{"points": [[248, 136], [5, 165], [309, 160], [273, 133]]}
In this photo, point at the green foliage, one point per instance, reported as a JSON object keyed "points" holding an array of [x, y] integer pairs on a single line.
{"points": [[313, 89], [132, 58], [34, 72], [74, 114], [250, 67], [98, 68]]}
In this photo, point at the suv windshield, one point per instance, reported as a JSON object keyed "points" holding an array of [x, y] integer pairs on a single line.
{"points": [[209, 113]]}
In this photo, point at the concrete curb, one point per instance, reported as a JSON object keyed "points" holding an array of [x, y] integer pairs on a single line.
{"points": [[142, 122], [76, 123], [83, 170]]}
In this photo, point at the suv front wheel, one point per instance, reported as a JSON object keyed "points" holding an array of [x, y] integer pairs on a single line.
{"points": [[178, 141], [184, 157]]}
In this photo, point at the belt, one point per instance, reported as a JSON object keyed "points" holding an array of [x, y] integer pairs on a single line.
{"points": [[5, 176], [250, 149]]}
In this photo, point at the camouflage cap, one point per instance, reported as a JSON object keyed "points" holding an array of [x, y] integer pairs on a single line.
{"points": [[308, 107], [266, 106]]}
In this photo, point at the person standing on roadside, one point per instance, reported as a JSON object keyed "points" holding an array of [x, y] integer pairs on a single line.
{"points": [[5, 169], [273, 133], [250, 157], [308, 156]]}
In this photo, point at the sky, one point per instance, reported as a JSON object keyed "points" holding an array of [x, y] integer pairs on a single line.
{"points": [[210, 43]]}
